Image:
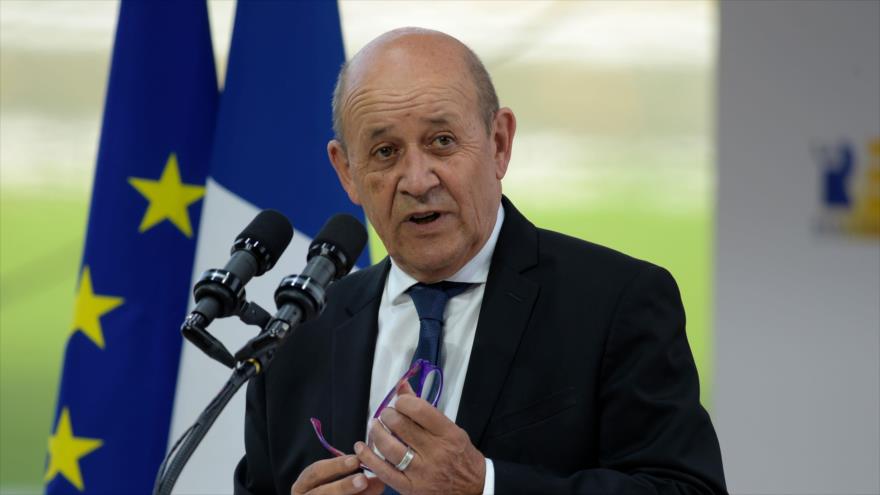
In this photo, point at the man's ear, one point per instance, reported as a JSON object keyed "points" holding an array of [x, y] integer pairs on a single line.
{"points": [[503, 129], [339, 159]]}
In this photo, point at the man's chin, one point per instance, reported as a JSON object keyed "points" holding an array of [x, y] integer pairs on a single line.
{"points": [[430, 266]]}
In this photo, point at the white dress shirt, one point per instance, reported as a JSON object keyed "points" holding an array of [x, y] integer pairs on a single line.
{"points": [[399, 334]]}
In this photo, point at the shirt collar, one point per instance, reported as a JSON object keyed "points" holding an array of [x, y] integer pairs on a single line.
{"points": [[475, 271]]}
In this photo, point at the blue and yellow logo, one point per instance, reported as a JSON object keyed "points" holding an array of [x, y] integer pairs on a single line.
{"points": [[850, 183]]}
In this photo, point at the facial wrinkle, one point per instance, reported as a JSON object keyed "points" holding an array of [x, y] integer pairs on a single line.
{"points": [[362, 99]]}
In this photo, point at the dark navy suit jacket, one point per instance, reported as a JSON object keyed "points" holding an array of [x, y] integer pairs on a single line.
{"points": [[580, 380]]}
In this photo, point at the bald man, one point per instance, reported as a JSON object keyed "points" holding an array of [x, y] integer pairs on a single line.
{"points": [[566, 367]]}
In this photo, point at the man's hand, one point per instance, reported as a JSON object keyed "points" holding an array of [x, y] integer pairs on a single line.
{"points": [[336, 476], [445, 460]]}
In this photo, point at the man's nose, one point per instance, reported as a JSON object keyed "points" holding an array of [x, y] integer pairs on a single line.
{"points": [[419, 173]]}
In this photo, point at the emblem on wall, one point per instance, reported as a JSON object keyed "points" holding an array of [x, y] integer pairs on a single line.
{"points": [[850, 188]]}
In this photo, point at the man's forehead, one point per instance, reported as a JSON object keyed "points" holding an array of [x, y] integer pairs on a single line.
{"points": [[377, 128], [405, 74]]}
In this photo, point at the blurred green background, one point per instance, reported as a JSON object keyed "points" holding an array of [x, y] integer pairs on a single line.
{"points": [[614, 105]]}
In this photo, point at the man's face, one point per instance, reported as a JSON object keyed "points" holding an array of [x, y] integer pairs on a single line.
{"points": [[421, 162]]}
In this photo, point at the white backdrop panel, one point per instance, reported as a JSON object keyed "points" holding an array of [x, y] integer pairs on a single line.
{"points": [[798, 310]]}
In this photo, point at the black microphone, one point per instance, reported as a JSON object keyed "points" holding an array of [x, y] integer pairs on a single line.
{"points": [[301, 297], [220, 292]]}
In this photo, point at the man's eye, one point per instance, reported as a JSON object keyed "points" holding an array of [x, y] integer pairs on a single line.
{"points": [[384, 152], [443, 141]]}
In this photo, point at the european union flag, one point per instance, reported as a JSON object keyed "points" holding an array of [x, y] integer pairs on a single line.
{"points": [[269, 152], [121, 359]]}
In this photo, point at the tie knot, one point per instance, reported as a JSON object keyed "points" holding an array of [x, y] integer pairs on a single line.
{"points": [[430, 299]]}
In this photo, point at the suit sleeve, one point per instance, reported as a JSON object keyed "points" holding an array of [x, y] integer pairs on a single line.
{"points": [[655, 437], [253, 475]]}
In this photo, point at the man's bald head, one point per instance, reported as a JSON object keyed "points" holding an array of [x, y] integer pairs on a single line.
{"points": [[435, 47]]}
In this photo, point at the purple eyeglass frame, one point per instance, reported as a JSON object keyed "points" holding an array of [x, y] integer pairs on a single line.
{"points": [[420, 367]]}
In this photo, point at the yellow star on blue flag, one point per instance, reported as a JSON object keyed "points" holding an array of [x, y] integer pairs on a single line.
{"points": [[169, 198], [65, 451], [90, 307]]}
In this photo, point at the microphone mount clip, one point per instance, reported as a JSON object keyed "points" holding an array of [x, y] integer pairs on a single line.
{"points": [[228, 291]]}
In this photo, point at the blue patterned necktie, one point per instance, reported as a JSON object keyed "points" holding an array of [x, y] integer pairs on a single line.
{"points": [[430, 301]]}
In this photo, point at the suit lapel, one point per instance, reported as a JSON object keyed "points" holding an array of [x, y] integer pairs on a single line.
{"points": [[354, 343], [504, 315]]}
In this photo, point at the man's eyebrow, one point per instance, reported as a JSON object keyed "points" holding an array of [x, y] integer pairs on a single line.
{"points": [[438, 120], [444, 119], [378, 131]]}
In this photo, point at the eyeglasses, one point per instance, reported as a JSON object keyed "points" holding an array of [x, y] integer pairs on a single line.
{"points": [[428, 386]]}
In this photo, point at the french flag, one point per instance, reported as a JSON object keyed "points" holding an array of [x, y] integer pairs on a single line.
{"points": [[269, 151]]}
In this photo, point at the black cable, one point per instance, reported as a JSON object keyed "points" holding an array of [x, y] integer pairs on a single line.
{"points": [[184, 447]]}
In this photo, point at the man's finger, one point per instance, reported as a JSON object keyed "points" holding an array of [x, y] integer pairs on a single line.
{"points": [[406, 430], [386, 472], [323, 472], [405, 388], [350, 485], [391, 448], [374, 487], [423, 414]]}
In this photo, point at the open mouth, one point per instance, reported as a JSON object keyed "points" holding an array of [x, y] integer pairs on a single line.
{"points": [[423, 218]]}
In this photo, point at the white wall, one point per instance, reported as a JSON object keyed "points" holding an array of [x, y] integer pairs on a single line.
{"points": [[797, 308]]}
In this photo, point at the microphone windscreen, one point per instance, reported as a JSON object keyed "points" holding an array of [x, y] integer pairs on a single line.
{"points": [[345, 232], [273, 230]]}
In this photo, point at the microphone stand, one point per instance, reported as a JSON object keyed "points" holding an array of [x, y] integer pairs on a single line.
{"points": [[252, 359], [298, 298], [185, 446]]}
